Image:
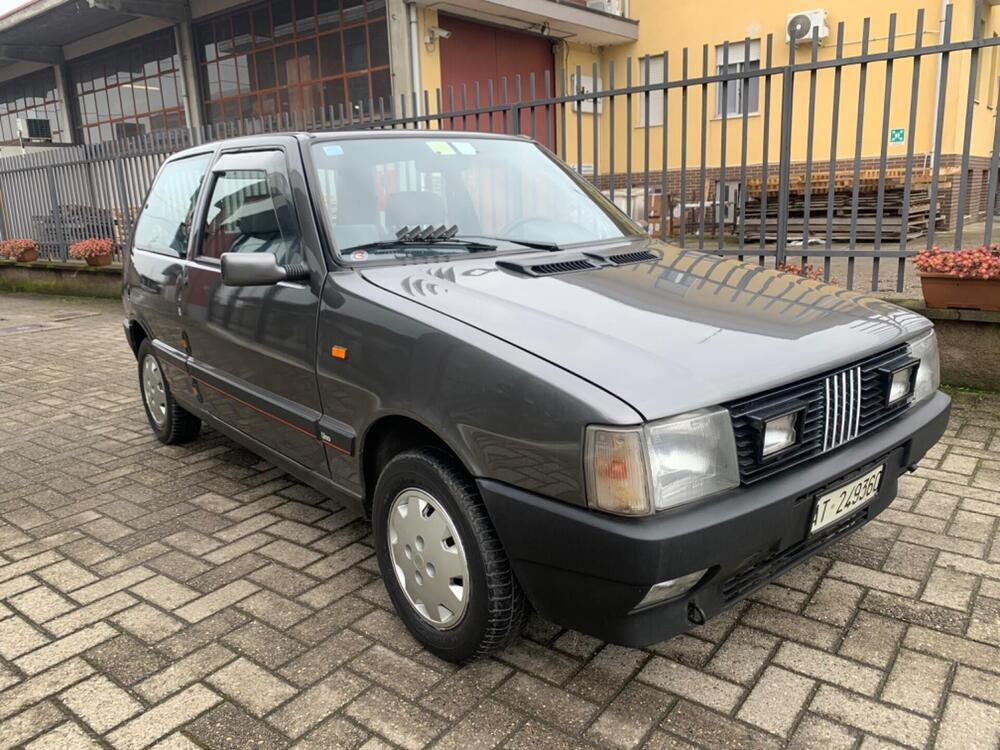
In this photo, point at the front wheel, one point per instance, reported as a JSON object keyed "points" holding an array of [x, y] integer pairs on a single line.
{"points": [[443, 565]]}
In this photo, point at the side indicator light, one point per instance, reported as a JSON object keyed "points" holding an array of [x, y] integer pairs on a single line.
{"points": [[339, 352]]}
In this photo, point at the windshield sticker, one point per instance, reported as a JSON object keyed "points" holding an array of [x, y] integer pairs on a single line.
{"points": [[464, 148], [359, 255], [333, 149], [442, 148]]}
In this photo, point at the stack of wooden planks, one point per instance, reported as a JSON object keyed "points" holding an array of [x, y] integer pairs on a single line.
{"points": [[917, 220]]}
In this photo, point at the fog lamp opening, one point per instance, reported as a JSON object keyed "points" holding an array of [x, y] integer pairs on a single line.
{"points": [[670, 589], [900, 382]]}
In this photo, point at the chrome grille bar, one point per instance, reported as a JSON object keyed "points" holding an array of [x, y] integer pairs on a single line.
{"points": [[842, 410]]}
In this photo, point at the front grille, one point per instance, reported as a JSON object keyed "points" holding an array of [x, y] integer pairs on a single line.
{"points": [[838, 407], [750, 579]]}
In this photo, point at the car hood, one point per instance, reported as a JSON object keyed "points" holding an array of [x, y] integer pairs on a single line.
{"points": [[679, 332]]}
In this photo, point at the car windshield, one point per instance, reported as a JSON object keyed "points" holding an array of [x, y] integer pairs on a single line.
{"points": [[445, 194]]}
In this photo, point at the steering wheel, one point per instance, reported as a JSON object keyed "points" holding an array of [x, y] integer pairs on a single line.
{"points": [[511, 228]]}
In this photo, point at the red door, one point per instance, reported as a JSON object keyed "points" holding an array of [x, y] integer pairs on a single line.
{"points": [[477, 52]]}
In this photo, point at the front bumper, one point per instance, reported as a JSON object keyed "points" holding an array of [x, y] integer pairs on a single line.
{"points": [[587, 570]]}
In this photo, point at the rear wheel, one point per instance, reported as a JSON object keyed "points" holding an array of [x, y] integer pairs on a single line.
{"points": [[443, 565], [171, 423]]}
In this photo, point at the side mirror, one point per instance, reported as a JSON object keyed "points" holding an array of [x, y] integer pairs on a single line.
{"points": [[258, 269]]}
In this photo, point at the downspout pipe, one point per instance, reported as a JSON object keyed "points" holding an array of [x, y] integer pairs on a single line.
{"points": [[415, 82]]}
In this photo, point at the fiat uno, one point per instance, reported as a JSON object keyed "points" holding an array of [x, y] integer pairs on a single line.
{"points": [[536, 404]]}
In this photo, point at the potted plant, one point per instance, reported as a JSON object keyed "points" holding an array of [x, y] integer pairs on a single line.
{"points": [[21, 250], [806, 271], [964, 279], [96, 251]]}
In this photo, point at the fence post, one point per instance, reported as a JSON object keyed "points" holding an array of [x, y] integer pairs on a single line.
{"points": [[126, 218], [515, 119], [785, 158], [50, 178]]}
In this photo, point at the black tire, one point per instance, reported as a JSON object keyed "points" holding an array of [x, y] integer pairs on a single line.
{"points": [[497, 609], [177, 425]]}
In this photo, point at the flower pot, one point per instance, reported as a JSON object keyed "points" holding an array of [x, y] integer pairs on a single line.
{"points": [[99, 260], [28, 256], [943, 290]]}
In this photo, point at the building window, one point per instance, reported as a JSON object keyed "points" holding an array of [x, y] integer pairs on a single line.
{"points": [[129, 90], [305, 57], [651, 71], [739, 62], [29, 108]]}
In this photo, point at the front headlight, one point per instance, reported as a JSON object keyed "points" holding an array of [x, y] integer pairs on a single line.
{"points": [[639, 470], [929, 371]]}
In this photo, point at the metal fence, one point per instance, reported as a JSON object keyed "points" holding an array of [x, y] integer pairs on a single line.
{"points": [[735, 158]]}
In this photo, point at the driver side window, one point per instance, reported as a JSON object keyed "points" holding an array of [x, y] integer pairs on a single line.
{"points": [[249, 212]]}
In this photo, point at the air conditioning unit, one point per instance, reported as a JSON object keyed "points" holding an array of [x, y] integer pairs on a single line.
{"points": [[799, 27], [606, 6], [36, 130]]}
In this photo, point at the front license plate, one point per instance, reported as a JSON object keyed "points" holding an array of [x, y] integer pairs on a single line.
{"points": [[845, 500]]}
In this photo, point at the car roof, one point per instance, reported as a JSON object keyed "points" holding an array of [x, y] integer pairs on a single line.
{"points": [[249, 141]]}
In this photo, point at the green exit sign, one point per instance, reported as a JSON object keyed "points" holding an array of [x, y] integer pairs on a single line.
{"points": [[897, 135]]}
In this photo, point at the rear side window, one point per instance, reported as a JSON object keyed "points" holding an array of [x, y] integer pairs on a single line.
{"points": [[250, 211], [165, 223]]}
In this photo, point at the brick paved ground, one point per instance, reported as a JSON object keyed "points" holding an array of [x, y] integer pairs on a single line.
{"points": [[197, 597]]}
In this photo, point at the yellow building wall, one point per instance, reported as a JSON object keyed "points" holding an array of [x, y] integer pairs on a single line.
{"points": [[684, 24], [692, 24]]}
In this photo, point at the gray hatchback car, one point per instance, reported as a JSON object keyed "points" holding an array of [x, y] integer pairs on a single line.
{"points": [[535, 403]]}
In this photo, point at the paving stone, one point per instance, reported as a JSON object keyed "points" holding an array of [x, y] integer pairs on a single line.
{"points": [[691, 684], [742, 656], [917, 682], [458, 692], [16, 731], [817, 733], [630, 717], [41, 603], [949, 588], [100, 703], [709, 728], [776, 700], [228, 727], [829, 668], [488, 725], [18, 636], [60, 650], [547, 702], [156, 722], [872, 716], [252, 687], [66, 735], [182, 673], [398, 721], [967, 723], [312, 706]]}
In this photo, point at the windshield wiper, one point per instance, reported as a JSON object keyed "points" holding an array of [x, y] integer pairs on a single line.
{"points": [[535, 244], [428, 238]]}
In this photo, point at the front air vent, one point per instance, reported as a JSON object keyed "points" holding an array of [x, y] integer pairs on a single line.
{"points": [[550, 268], [566, 266], [636, 257]]}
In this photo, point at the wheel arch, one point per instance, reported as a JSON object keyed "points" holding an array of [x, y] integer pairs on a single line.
{"points": [[388, 436], [136, 333]]}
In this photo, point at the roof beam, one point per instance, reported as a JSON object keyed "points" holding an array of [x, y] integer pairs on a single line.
{"points": [[170, 10], [35, 53]]}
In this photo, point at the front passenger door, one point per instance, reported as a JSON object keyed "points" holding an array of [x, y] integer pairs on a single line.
{"points": [[253, 348]]}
